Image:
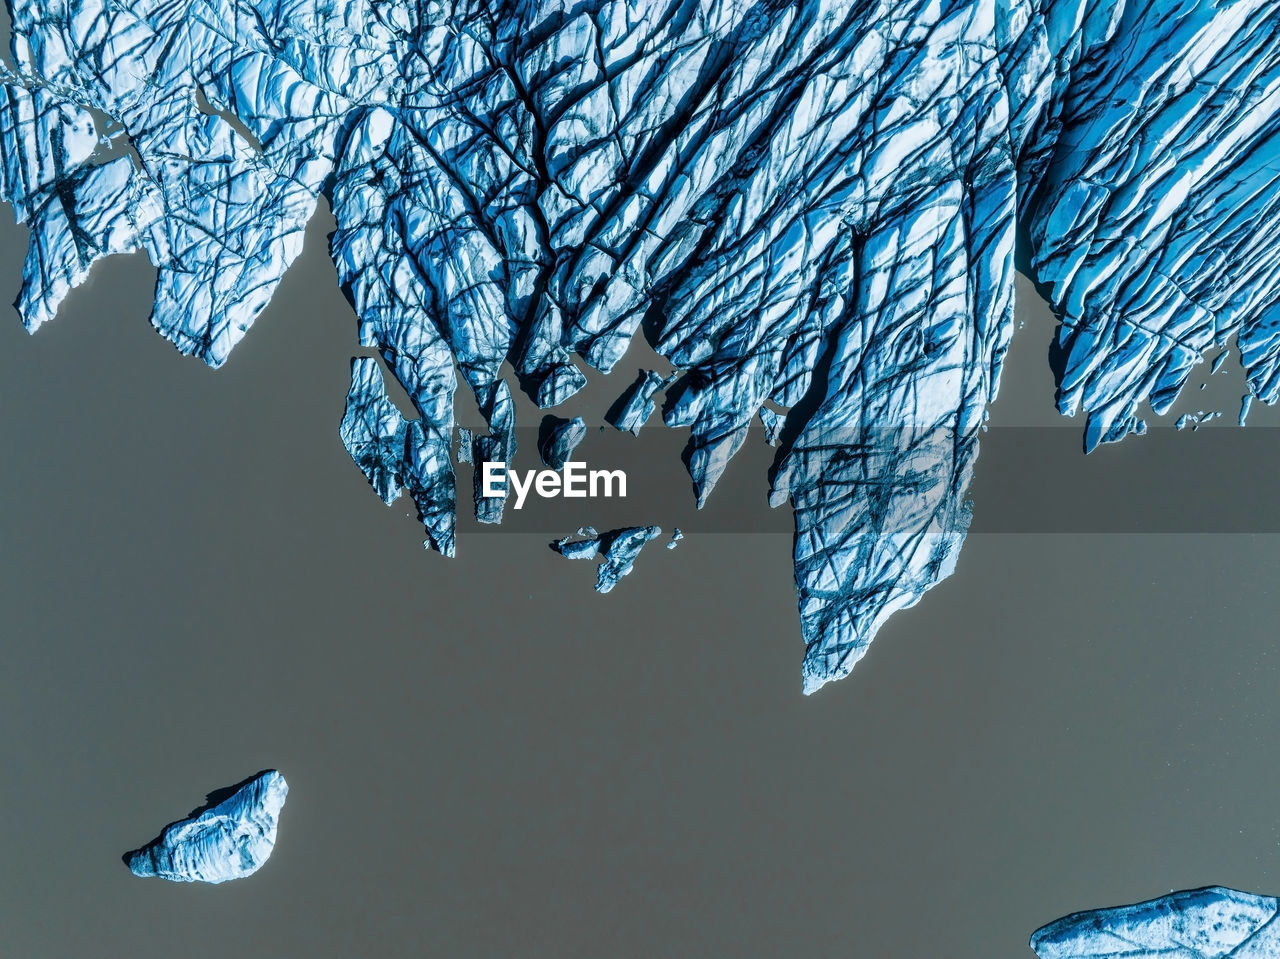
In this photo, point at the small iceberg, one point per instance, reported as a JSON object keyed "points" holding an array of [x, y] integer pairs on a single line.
{"points": [[1210, 923], [230, 837]]}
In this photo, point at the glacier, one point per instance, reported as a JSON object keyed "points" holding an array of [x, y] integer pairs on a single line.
{"points": [[230, 838], [816, 205], [1205, 923]]}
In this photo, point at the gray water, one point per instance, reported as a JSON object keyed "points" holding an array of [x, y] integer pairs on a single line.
{"points": [[489, 759]]}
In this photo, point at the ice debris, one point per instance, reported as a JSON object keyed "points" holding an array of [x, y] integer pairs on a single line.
{"points": [[676, 536], [1197, 419], [1209, 923], [620, 547], [571, 548], [229, 838], [811, 204]]}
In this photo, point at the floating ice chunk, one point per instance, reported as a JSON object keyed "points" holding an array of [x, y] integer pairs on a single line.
{"points": [[621, 548], [636, 405], [1194, 420], [561, 440], [229, 838], [1211, 923], [587, 548], [772, 424]]}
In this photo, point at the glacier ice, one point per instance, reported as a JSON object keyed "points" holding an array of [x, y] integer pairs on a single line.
{"points": [[636, 404], [394, 454], [812, 205], [1205, 923], [570, 548], [561, 440], [619, 547], [230, 838], [772, 424]]}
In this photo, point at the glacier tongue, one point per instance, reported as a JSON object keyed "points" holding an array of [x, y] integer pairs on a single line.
{"points": [[228, 840], [808, 204]]}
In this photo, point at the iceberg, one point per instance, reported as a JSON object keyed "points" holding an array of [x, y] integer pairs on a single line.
{"points": [[772, 424], [229, 838], [570, 548], [561, 439], [636, 405], [812, 205], [1208, 923], [619, 547]]}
